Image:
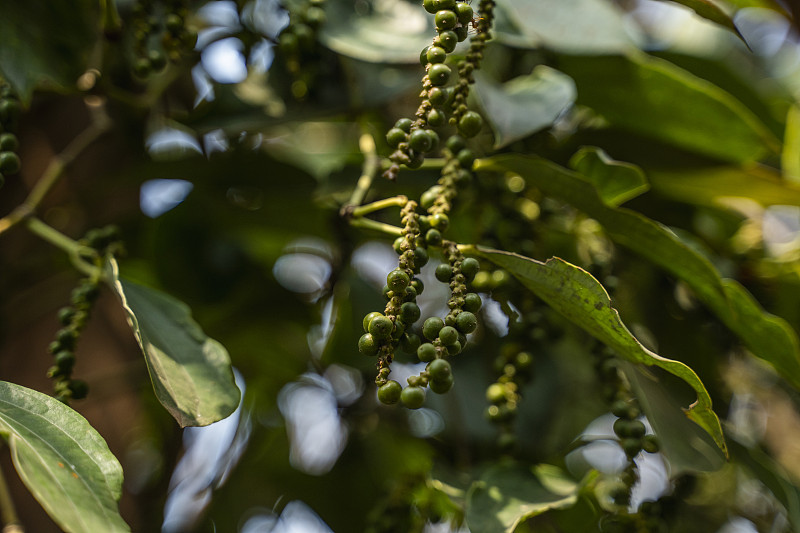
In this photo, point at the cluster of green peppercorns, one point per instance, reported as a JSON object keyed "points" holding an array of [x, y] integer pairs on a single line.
{"points": [[10, 110], [412, 139], [298, 45], [160, 34]]}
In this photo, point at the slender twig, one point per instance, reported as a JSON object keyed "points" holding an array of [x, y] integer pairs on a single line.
{"points": [[78, 253], [367, 223], [394, 201], [8, 513], [55, 170], [372, 165]]}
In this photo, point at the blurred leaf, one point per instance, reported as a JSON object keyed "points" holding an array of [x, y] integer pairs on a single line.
{"points": [[616, 181], [392, 32], [526, 104], [578, 296], [191, 373], [507, 495], [767, 336], [655, 98], [46, 43], [790, 157], [711, 11], [319, 148], [62, 460], [574, 26], [686, 447], [717, 186]]}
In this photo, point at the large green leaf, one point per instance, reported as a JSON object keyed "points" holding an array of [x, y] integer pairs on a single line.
{"points": [[767, 336], [578, 296], [507, 494], [655, 98], [62, 460], [526, 104], [46, 42], [573, 26], [191, 373], [615, 181]]}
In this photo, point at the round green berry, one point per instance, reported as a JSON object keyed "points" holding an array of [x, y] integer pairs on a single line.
{"points": [[466, 322], [435, 54], [367, 345], [433, 237], [78, 388], [470, 124], [441, 386], [418, 285], [629, 428], [398, 280], [439, 74], [456, 143], [413, 397], [368, 318], [416, 160], [472, 302], [430, 6], [431, 327], [426, 352], [436, 118], [446, 4], [650, 444], [420, 141], [445, 20], [409, 312], [65, 315], [9, 163], [381, 327], [65, 360], [404, 124], [395, 136], [454, 349], [420, 257], [496, 393], [428, 198], [443, 272], [440, 221], [464, 13], [389, 392], [438, 96], [631, 446], [466, 158], [439, 369], [8, 142], [397, 245], [410, 342], [448, 335], [469, 267], [447, 40]]}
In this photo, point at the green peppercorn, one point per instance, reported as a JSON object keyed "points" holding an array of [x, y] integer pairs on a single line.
{"points": [[410, 342], [381, 327], [447, 40], [438, 96], [65, 360], [439, 369], [426, 352], [445, 20], [448, 335], [367, 345], [466, 158], [466, 322], [420, 257], [439, 74], [420, 141], [389, 392], [441, 386], [470, 124], [398, 280], [469, 267], [368, 318], [446, 4], [430, 6], [395, 136], [472, 302], [404, 124], [433, 237], [409, 312], [496, 393], [8, 142], [431, 327], [412, 397], [435, 54], [9, 163], [464, 13], [440, 221], [436, 118], [78, 388]]}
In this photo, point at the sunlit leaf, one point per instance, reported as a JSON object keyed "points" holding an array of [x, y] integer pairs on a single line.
{"points": [[578, 296], [62, 460], [191, 373], [657, 99], [524, 105], [767, 336], [46, 43], [615, 181], [711, 11], [507, 495]]}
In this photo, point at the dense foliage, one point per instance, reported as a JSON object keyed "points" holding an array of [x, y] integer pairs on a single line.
{"points": [[488, 266]]}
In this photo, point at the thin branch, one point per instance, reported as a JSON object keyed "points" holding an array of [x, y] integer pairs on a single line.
{"points": [[77, 252], [367, 223], [372, 164], [8, 513], [394, 201]]}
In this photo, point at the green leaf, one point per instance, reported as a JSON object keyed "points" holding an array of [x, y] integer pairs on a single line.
{"points": [[710, 11], [655, 98], [526, 104], [191, 373], [616, 181], [62, 460], [506, 495], [790, 157], [46, 43], [572, 26], [720, 186], [767, 336], [578, 296]]}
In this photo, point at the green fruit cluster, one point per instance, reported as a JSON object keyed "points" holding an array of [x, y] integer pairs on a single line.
{"points": [[10, 110], [160, 34], [298, 46]]}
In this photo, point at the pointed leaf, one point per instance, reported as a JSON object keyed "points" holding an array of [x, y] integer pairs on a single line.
{"points": [[62, 460], [653, 97], [526, 104], [615, 181], [767, 336], [191, 373], [578, 296], [507, 495], [710, 11]]}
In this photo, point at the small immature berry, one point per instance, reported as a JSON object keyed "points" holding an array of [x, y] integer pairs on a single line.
{"points": [[470, 124], [469, 267], [389, 392], [420, 141], [79, 388], [436, 118], [448, 335], [398, 280], [404, 124], [8, 141], [447, 40], [368, 318], [466, 322], [466, 158], [439, 369], [381, 327], [650, 444], [420, 257], [440, 221], [409, 312], [433, 237], [430, 6], [443, 272], [446, 4], [464, 13], [456, 143], [395, 136], [438, 97], [431, 327], [410, 342], [454, 349], [9, 163], [441, 386], [445, 20], [413, 397], [426, 352], [472, 301], [435, 54], [439, 74], [65, 315], [367, 345]]}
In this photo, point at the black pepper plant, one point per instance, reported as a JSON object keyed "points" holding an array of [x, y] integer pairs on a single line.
{"points": [[487, 266]]}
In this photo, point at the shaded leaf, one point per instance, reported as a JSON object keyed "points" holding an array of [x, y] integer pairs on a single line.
{"points": [[507, 495], [191, 373], [579, 26], [578, 296], [616, 181], [62, 460], [526, 104], [653, 97], [46, 42], [767, 336], [710, 11]]}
